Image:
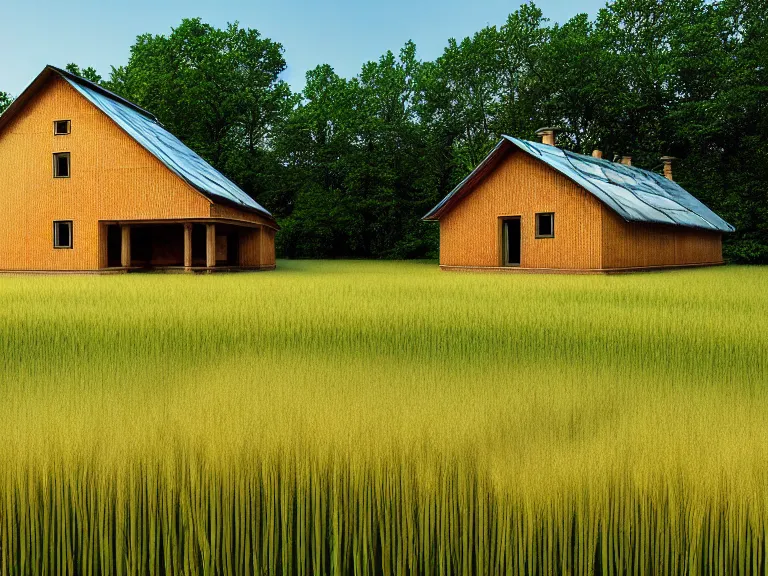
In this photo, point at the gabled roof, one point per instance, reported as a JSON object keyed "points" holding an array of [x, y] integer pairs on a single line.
{"points": [[635, 194], [147, 131]]}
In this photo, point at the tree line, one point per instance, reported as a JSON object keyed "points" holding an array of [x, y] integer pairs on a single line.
{"points": [[349, 165]]}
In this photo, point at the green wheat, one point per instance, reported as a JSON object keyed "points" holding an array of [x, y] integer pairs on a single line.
{"points": [[384, 418]]}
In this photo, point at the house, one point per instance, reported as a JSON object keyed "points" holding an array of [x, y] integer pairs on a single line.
{"points": [[532, 206], [92, 182]]}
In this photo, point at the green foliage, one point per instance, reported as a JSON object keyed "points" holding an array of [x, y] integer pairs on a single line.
{"points": [[88, 73], [5, 101], [350, 165], [219, 90], [353, 151], [384, 418], [644, 78]]}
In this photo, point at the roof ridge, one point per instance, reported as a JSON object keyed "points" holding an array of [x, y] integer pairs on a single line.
{"points": [[603, 161], [600, 161], [635, 193], [149, 133], [619, 168], [104, 91], [168, 149]]}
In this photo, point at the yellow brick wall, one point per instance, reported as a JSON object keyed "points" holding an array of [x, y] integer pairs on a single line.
{"points": [[635, 244], [470, 234], [588, 234], [112, 178]]}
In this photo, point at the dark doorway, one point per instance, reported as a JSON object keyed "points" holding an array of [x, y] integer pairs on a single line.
{"points": [[511, 242], [198, 245], [233, 248], [157, 245], [114, 245]]}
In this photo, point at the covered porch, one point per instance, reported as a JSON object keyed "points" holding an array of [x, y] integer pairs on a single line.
{"points": [[204, 245]]}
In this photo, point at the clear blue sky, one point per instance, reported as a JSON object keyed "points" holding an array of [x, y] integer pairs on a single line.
{"points": [[342, 33]]}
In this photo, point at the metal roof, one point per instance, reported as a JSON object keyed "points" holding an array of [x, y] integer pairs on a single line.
{"points": [[149, 133], [637, 195]]}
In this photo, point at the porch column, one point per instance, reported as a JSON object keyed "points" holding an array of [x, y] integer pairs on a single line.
{"points": [[261, 246], [210, 245], [125, 246], [187, 245]]}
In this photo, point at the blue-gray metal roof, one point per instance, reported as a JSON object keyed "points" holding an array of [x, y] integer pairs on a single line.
{"points": [[149, 133], [637, 195]]}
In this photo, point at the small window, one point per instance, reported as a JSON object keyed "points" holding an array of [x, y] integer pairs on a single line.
{"points": [[62, 127], [61, 165], [62, 234], [545, 225]]}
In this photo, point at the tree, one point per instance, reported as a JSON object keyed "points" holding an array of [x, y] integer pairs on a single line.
{"points": [[720, 118], [218, 90], [5, 101], [350, 166], [353, 150], [88, 73], [461, 93], [316, 147]]}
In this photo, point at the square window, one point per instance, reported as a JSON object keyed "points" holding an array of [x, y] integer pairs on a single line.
{"points": [[61, 165], [545, 225], [62, 127], [62, 234]]}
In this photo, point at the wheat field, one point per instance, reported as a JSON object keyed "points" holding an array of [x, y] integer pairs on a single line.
{"points": [[384, 418]]}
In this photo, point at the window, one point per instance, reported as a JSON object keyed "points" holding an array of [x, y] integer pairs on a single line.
{"points": [[62, 234], [62, 127], [545, 225], [61, 165]]}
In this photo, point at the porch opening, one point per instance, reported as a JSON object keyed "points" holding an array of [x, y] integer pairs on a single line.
{"points": [[161, 245], [157, 245]]}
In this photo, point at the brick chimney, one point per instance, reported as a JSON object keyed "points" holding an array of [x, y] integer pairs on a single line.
{"points": [[547, 135], [597, 153], [626, 160], [667, 161]]}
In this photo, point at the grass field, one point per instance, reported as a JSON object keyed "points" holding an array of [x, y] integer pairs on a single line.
{"points": [[367, 418]]}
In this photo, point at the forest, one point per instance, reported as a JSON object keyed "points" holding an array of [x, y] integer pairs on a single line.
{"points": [[348, 166]]}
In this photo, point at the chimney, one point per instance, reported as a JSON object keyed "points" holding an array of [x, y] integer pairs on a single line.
{"points": [[667, 161], [626, 160], [547, 135], [597, 153]]}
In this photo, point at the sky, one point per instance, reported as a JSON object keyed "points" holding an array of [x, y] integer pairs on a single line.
{"points": [[342, 33]]}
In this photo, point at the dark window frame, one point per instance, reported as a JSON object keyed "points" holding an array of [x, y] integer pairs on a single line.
{"points": [[552, 221], [56, 127], [56, 244], [56, 157]]}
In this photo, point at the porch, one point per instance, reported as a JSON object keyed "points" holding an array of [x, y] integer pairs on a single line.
{"points": [[204, 245]]}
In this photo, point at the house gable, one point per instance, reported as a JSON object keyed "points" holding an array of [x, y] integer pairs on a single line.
{"points": [[147, 131], [635, 194], [519, 185], [112, 178]]}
